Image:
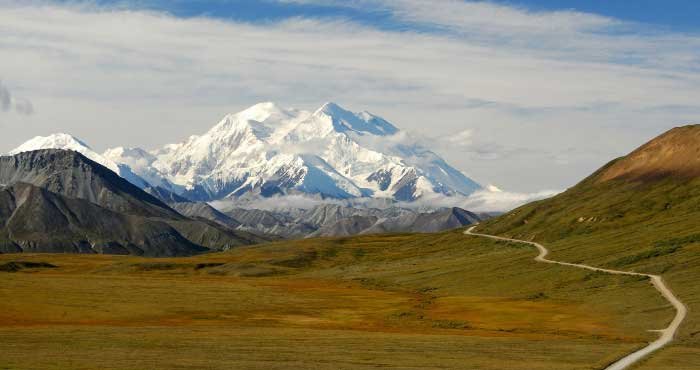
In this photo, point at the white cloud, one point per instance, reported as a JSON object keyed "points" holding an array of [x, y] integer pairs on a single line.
{"points": [[491, 199], [527, 85], [461, 139], [502, 201], [276, 203], [479, 16]]}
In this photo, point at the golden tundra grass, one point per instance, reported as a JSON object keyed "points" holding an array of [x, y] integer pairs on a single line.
{"points": [[396, 301]]}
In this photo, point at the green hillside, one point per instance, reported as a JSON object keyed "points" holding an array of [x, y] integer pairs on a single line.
{"points": [[638, 213]]}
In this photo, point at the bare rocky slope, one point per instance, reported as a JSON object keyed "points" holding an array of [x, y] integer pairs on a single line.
{"points": [[36, 220], [61, 201], [329, 220], [73, 175]]}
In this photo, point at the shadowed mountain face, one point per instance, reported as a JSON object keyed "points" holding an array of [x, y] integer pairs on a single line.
{"points": [[37, 220], [205, 211], [61, 201], [397, 221], [330, 220], [75, 176], [165, 195]]}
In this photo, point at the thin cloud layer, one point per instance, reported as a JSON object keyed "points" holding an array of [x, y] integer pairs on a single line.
{"points": [[5, 98], [23, 106], [488, 200], [9, 103], [527, 86], [468, 16]]}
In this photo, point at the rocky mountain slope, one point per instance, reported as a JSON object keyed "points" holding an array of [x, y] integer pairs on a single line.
{"points": [[426, 222], [61, 201], [73, 175], [68, 142], [329, 220], [204, 211], [35, 220]]}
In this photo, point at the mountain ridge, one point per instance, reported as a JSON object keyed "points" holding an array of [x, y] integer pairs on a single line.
{"points": [[332, 220], [675, 153], [68, 142], [267, 150], [76, 176], [37, 220], [61, 201]]}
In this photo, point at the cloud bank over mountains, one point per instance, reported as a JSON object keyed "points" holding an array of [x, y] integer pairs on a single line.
{"points": [[545, 97]]}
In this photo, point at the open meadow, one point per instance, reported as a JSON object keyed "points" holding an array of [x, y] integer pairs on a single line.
{"points": [[396, 301]]}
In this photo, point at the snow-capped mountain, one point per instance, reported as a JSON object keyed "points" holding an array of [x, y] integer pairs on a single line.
{"points": [[266, 150], [269, 150], [68, 142], [141, 162]]}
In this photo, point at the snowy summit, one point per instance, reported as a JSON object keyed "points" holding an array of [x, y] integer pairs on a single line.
{"points": [[267, 150]]}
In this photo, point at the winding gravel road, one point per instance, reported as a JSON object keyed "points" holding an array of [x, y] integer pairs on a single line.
{"points": [[666, 335]]}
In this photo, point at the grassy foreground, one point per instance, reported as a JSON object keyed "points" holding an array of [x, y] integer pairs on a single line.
{"points": [[396, 301]]}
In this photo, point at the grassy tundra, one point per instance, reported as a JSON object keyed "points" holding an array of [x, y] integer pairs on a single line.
{"points": [[398, 301]]}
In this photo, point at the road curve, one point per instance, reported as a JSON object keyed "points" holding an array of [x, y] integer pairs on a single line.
{"points": [[666, 335]]}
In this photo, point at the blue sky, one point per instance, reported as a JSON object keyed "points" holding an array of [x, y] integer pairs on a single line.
{"points": [[669, 15], [538, 94], [256, 11], [672, 15]]}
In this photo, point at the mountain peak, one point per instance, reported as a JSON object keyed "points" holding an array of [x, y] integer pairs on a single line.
{"points": [[260, 112], [674, 154], [75, 175], [265, 150], [122, 151], [362, 123], [330, 108], [64, 142], [53, 141]]}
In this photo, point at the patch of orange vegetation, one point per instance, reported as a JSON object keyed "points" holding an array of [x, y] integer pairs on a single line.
{"points": [[332, 304], [523, 316], [280, 301]]}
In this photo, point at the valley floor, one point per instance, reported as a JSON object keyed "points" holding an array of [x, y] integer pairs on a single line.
{"points": [[393, 301]]}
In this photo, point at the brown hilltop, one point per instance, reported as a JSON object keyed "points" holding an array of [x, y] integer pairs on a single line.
{"points": [[674, 154]]}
